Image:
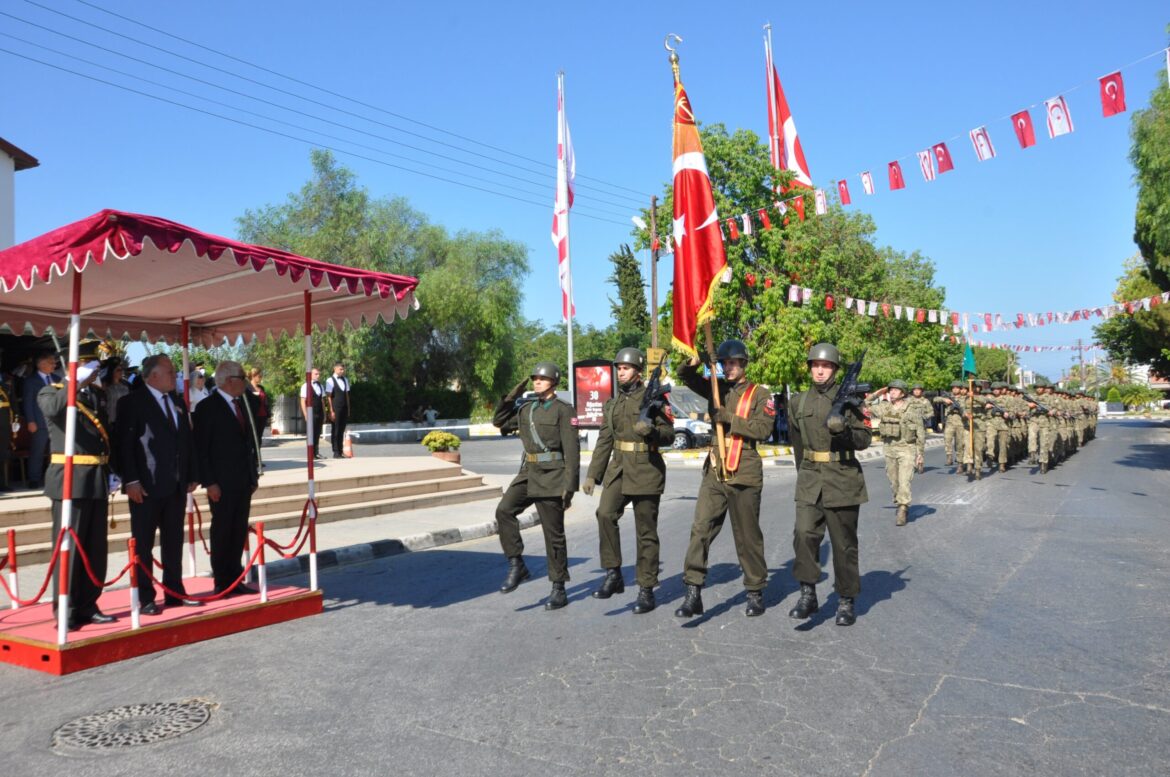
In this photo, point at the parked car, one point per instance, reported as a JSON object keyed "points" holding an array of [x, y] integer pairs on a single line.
{"points": [[691, 427]]}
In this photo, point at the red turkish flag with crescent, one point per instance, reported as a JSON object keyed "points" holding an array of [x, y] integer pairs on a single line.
{"points": [[699, 258], [896, 179], [1112, 94], [843, 192], [1025, 132], [943, 157]]}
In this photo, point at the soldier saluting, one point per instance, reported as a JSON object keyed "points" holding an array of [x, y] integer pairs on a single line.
{"points": [[629, 467], [747, 413], [548, 476]]}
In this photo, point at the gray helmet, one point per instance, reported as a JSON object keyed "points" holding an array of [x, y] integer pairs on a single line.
{"points": [[998, 384], [958, 384], [631, 356], [731, 349], [916, 386], [826, 352], [898, 384], [546, 370]]}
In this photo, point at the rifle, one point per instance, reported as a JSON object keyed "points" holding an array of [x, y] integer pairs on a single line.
{"points": [[1039, 405], [655, 397], [851, 394]]}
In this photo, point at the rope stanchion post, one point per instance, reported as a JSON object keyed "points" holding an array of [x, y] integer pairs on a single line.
{"points": [[309, 437], [247, 557], [312, 538], [261, 569], [135, 603], [13, 581]]}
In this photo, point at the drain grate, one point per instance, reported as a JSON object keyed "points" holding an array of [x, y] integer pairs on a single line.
{"points": [[136, 724]]}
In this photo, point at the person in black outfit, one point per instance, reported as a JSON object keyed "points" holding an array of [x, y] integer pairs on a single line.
{"points": [[43, 375], [156, 462], [314, 393], [337, 393], [90, 507], [228, 465]]}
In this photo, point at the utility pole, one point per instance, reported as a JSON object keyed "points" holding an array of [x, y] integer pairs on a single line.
{"points": [[1081, 351], [653, 272]]}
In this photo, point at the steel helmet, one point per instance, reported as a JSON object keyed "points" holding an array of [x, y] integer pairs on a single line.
{"points": [[898, 384], [731, 349], [916, 386], [631, 356], [826, 352], [958, 384], [546, 370]]}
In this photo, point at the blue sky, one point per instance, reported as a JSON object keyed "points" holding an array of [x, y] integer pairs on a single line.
{"points": [[1045, 228]]}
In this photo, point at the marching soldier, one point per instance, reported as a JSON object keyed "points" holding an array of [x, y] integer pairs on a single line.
{"points": [[91, 459], [975, 415], [917, 401], [953, 427], [1040, 428], [830, 486], [998, 434], [747, 415], [548, 477], [903, 440], [629, 468]]}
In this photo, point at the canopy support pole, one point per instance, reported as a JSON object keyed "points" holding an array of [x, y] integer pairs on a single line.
{"points": [[70, 446], [309, 449], [185, 339]]}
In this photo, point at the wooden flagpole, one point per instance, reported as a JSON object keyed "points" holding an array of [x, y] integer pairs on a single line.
{"points": [[720, 442]]}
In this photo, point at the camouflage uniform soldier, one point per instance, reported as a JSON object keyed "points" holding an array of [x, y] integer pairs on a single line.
{"points": [[629, 467], [918, 401], [747, 413], [548, 477], [975, 415], [830, 486], [998, 434], [953, 427], [1040, 423], [903, 440]]}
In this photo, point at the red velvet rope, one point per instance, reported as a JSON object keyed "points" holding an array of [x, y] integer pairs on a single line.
{"points": [[44, 585], [207, 598], [89, 570], [199, 526], [297, 540]]}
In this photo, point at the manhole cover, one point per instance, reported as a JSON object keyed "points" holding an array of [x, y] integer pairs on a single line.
{"points": [[136, 724]]}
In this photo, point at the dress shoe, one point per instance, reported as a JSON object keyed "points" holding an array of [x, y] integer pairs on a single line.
{"points": [[902, 512], [612, 584], [78, 621], [645, 601], [318, 455], [807, 604], [693, 604], [183, 602], [845, 615], [556, 598], [517, 573], [338, 456], [755, 604], [150, 608], [246, 590]]}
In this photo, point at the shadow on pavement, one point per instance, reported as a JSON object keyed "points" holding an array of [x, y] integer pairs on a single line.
{"points": [[876, 587], [1147, 457]]}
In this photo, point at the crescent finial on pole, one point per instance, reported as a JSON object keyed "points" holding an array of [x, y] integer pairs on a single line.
{"points": [[673, 53]]}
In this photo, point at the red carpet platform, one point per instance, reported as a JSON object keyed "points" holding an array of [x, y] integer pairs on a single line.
{"points": [[28, 636]]}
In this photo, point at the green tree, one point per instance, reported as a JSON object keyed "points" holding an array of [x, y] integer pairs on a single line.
{"points": [[834, 253], [1140, 337], [462, 336], [630, 312]]}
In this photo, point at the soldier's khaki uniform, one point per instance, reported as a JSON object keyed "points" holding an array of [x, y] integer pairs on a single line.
{"points": [[954, 430], [903, 441], [997, 431], [739, 495], [830, 489], [549, 469], [974, 448], [630, 469]]}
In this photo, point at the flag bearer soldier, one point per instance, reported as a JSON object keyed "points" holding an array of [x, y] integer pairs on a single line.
{"points": [[903, 440], [91, 457], [918, 401], [975, 411], [747, 414], [548, 476], [830, 487], [627, 464], [954, 430]]}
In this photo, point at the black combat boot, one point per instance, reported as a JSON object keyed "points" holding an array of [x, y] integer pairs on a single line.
{"points": [[807, 604], [557, 599], [693, 604], [645, 601], [612, 584], [517, 573], [755, 604], [845, 616]]}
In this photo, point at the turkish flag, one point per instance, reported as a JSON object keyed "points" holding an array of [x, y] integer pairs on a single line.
{"points": [[896, 180], [699, 256], [767, 222], [982, 143], [943, 157], [798, 205], [733, 229], [1112, 94], [843, 192], [1059, 119], [1025, 133]]}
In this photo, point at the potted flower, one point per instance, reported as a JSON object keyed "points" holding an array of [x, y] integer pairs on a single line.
{"points": [[443, 445]]}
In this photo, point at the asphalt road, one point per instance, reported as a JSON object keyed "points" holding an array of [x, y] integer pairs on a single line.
{"points": [[1016, 626]]}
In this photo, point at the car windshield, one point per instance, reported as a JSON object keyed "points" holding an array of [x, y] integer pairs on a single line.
{"points": [[686, 403]]}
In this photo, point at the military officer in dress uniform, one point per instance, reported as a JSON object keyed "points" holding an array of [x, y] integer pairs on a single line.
{"points": [[903, 440], [549, 471], [830, 486], [91, 471], [627, 464], [747, 414]]}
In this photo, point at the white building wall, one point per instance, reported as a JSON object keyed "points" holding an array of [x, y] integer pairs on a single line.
{"points": [[7, 200]]}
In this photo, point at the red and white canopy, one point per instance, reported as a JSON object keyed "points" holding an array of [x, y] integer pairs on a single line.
{"points": [[154, 274]]}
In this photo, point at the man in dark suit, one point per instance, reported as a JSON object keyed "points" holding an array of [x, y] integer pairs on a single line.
{"points": [[90, 482], [228, 464], [44, 375], [156, 461]]}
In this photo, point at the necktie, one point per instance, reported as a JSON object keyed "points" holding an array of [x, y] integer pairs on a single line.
{"points": [[239, 403], [170, 412]]}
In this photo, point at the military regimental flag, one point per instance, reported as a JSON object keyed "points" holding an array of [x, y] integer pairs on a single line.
{"points": [[699, 259], [968, 360]]}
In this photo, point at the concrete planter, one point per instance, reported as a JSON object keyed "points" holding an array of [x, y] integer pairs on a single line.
{"points": [[451, 456]]}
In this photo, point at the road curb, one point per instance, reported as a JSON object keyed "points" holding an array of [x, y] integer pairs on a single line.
{"points": [[369, 551]]}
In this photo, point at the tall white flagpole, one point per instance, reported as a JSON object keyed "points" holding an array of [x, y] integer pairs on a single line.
{"points": [[563, 198], [773, 111]]}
